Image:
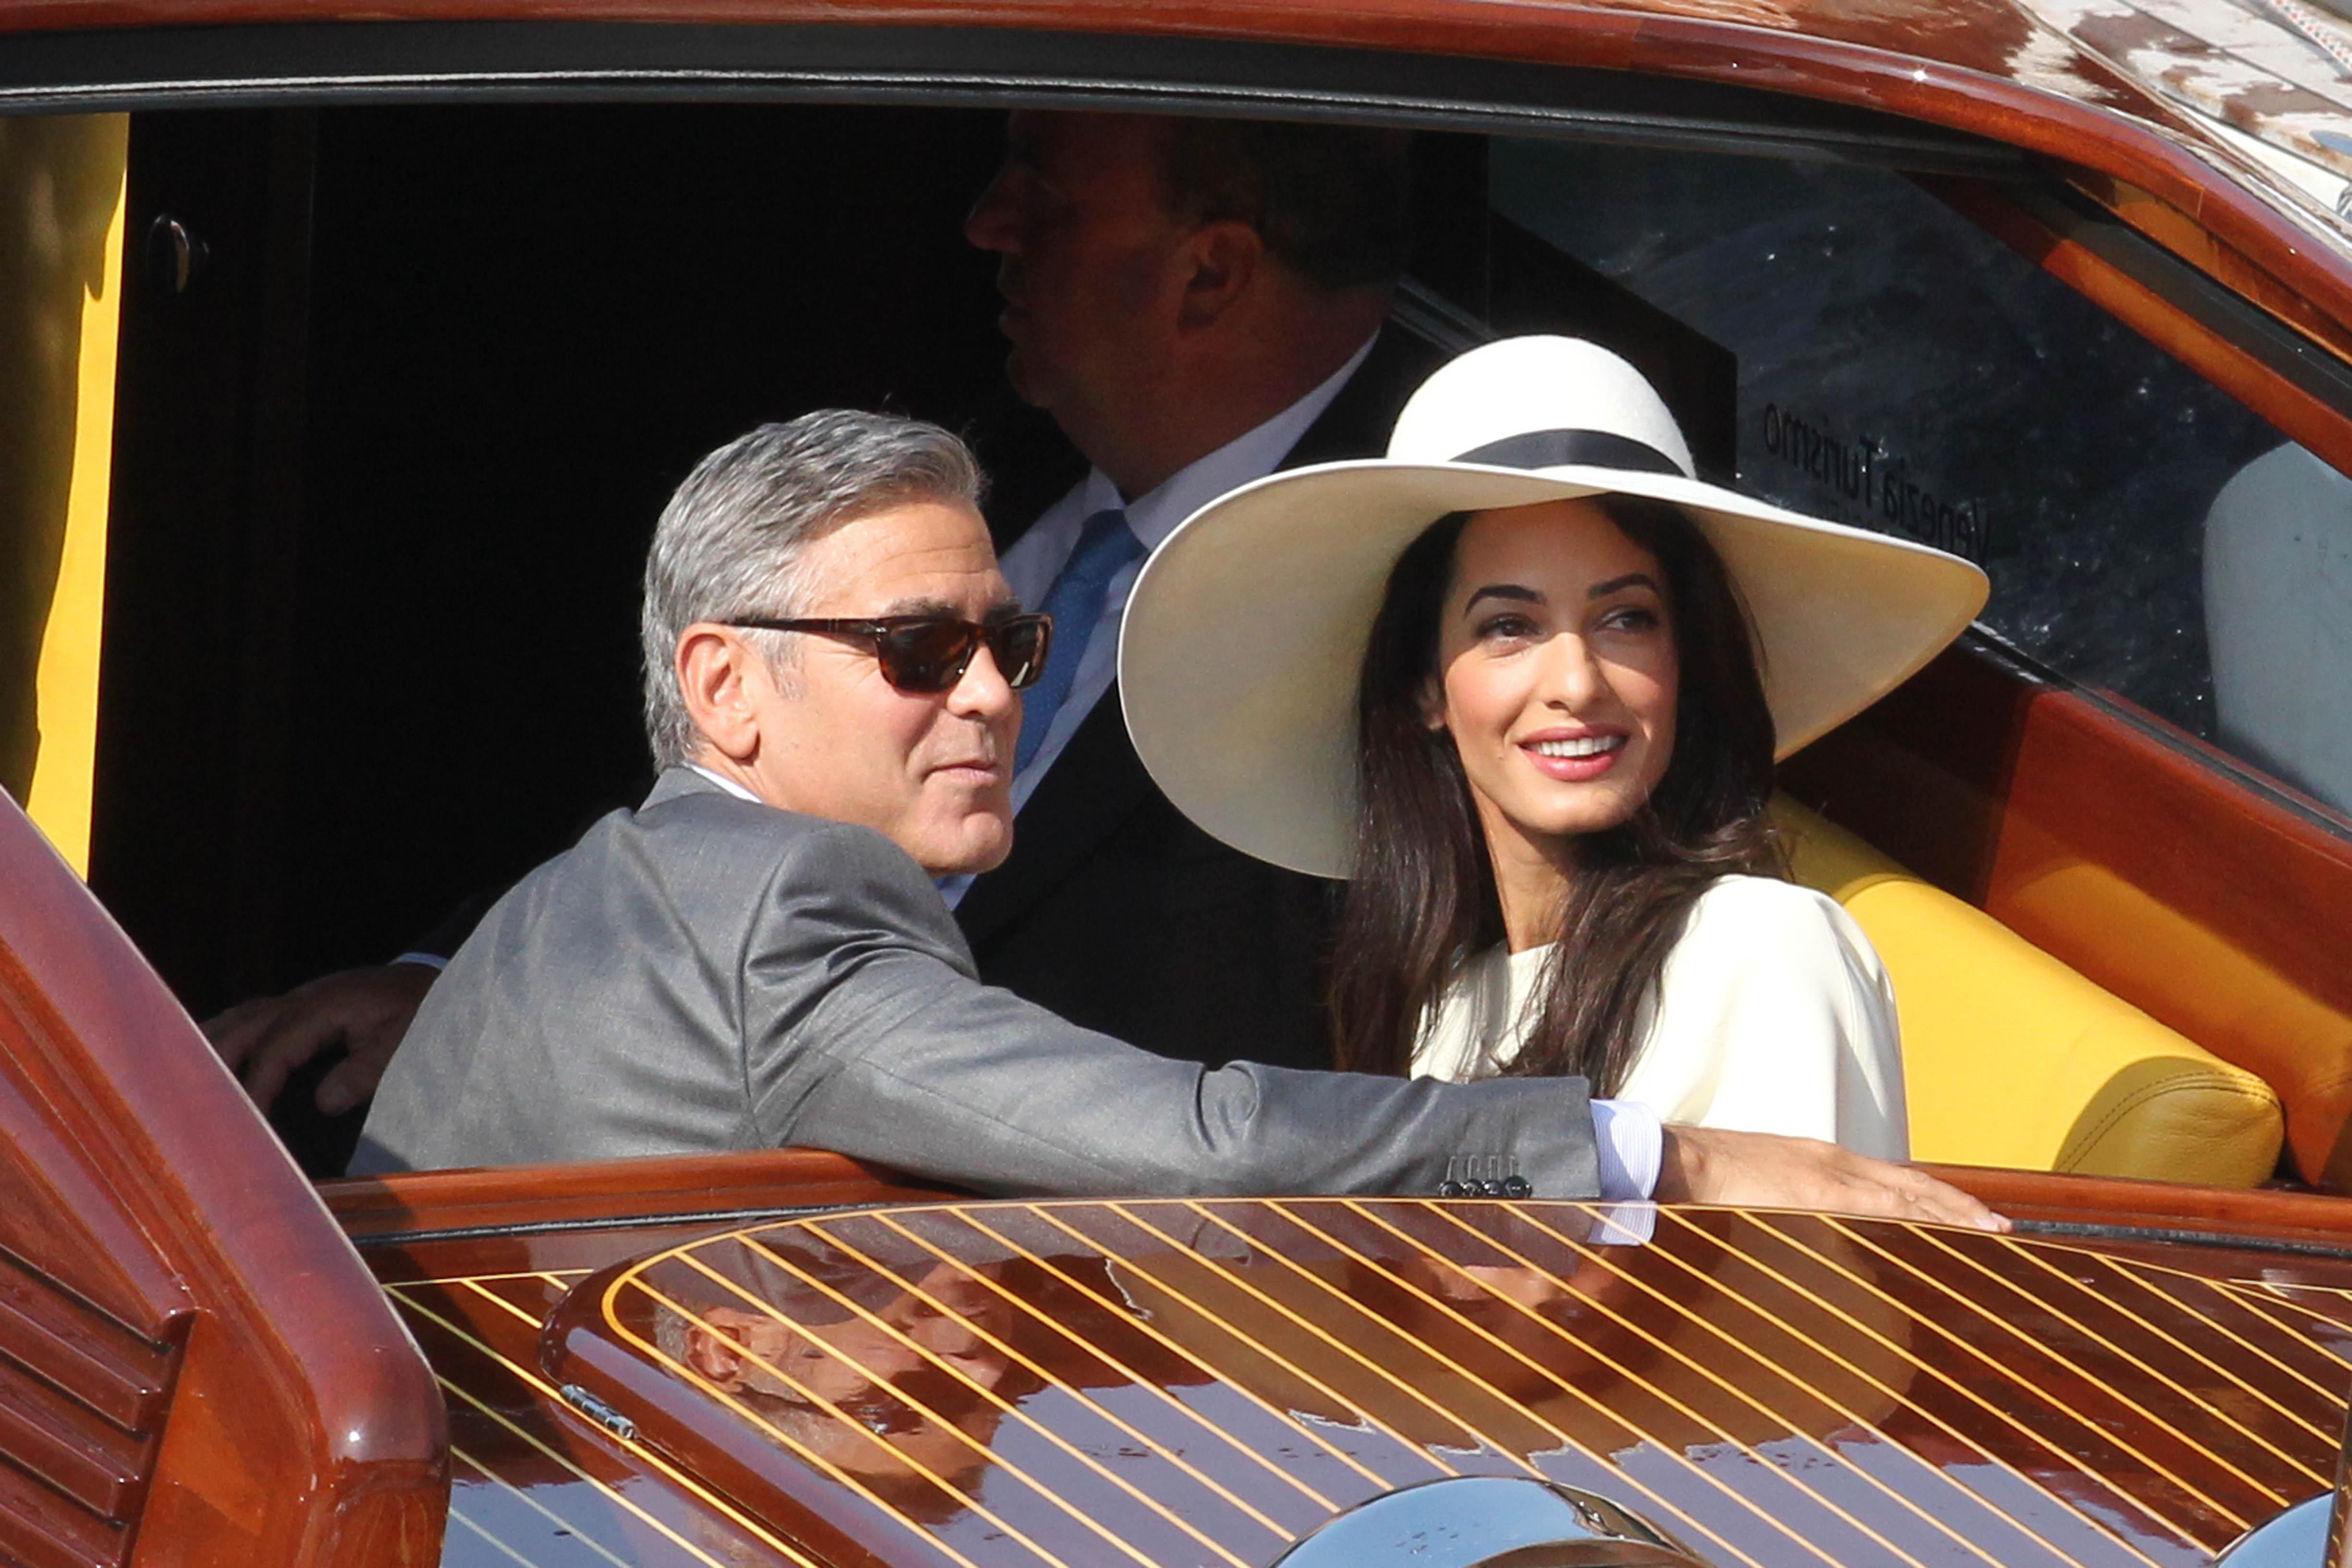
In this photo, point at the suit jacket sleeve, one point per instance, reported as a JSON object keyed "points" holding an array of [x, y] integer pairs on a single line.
{"points": [[866, 1032]]}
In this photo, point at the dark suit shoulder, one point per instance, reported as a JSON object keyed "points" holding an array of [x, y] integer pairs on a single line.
{"points": [[1358, 422]]}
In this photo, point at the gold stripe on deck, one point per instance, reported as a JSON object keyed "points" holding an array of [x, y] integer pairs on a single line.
{"points": [[1323, 1444], [1764, 1518], [470, 1397], [1827, 1353], [985, 1391], [2241, 1519], [1193, 1383], [1965, 1390], [1991, 1372], [1922, 1511], [1172, 1455], [2073, 1287], [1277, 1535], [746, 1414]]}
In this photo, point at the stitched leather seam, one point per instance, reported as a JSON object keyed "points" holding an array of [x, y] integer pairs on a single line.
{"points": [[2079, 1146]]}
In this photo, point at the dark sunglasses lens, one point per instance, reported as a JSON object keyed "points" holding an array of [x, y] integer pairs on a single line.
{"points": [[928, 657], [1019, 650]]}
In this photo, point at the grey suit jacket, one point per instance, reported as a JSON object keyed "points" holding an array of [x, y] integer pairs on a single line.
{"points": [[708, 973]]}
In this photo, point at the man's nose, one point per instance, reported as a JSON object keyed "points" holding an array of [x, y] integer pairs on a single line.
{"points": [[983, 692], [989, 226]]}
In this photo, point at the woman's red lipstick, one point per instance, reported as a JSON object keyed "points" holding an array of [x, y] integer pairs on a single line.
{"points": [[1574, 756]]}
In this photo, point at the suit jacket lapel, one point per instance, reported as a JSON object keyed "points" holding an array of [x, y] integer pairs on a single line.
{"points": [[1093, 786]]}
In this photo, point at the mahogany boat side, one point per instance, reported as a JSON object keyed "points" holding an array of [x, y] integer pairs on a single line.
{"points": [[2260, 1215], [203, 1373], [429, 1218], [610, 1191]]}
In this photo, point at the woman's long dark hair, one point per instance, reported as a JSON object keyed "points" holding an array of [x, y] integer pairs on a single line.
{"points": [[1423, 902]]}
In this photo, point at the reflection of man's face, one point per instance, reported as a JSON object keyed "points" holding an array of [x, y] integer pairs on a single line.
{"points": [[869, 1367], [957, 1324], [1091, 270], [913, 1342]]}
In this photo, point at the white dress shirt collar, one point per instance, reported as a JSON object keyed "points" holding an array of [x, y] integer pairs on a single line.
{"points": [[730, 785]]}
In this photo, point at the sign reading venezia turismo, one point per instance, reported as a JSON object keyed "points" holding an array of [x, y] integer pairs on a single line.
{"points": [[1877, 481]]}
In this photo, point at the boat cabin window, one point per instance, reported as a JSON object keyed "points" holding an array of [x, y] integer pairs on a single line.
{"points": [[1900, 369], [403, 389]]}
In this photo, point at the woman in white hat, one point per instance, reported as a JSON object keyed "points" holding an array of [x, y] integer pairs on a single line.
{"points": [[1508, 680]]}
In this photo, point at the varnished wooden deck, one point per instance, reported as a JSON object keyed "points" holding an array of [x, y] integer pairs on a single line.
{"points": [[1162, 1383]]}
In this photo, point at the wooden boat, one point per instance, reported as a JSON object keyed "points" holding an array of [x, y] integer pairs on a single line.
{"points": [[270, 265]]}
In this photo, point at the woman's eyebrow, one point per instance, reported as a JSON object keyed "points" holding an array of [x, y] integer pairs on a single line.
{"points": [[1631, 580], [1505, 591]]}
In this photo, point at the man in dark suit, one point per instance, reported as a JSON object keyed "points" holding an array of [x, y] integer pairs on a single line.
{"points": [[757, 955], [1196, 304]]}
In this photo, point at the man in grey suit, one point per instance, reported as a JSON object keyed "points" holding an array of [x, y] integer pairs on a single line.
{"points": [[757, 955]]}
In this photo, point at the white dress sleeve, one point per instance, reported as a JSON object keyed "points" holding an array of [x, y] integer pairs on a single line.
{"points": [[1774, 1014]]}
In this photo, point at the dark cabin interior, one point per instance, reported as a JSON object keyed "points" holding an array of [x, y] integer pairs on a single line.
{"points": [[403, 392]]}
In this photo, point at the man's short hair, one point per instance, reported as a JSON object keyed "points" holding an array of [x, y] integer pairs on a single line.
{"points": [[728, 544], [1333, 203]]}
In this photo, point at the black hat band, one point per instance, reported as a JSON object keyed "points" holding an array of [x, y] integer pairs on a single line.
{"points": [[1584, 448]]}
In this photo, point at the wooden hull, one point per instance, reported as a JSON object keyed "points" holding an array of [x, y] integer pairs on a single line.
{"points": [[1173, 1381]]}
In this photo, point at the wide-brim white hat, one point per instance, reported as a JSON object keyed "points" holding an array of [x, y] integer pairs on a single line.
{"points": [[1244, 636]]}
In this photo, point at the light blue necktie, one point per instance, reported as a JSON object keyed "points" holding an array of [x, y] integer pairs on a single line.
{"points": [[1076, 601]]}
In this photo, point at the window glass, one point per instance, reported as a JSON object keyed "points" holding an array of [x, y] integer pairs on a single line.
{"points": [[1900, 369]]}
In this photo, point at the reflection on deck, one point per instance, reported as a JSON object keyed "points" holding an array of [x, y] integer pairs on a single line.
{"points": [[1167, 1381]]}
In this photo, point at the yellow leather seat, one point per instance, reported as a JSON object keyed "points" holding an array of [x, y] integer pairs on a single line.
{"points": [[2010, 1057]]}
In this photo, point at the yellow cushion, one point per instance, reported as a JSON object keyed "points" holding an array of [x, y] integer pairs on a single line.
{"points": [[2240, 1007], [2011, 1059]]}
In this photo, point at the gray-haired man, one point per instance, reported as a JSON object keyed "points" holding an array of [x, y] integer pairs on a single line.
{"points": [[757, 955]]}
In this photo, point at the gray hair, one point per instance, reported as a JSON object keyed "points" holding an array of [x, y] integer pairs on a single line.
{"points": [[729, 542]]}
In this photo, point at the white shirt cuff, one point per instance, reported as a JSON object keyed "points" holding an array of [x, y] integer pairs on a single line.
{"points": [[432, 961], [1631, 1143]]}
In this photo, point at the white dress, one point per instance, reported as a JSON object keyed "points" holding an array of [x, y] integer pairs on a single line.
{"points": [[1773, 1014]]}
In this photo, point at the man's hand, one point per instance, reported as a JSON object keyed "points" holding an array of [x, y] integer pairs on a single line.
{"points": [[368, 1010], [1710, 1165]]}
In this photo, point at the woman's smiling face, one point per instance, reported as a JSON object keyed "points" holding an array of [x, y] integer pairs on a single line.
{"points": [[1556, 674]]}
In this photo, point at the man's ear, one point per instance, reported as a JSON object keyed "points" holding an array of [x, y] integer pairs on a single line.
{"points": [[716, 670], [1224, 257]]}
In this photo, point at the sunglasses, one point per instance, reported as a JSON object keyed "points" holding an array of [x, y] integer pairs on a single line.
{"points": [[929, 653]]}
